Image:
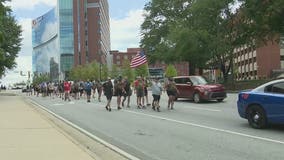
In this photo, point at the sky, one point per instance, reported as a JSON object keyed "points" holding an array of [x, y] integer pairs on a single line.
{"points": [[126, 16]]}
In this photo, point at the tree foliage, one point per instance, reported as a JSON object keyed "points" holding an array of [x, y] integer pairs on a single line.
{"points": [[38, 79], [10, 39], [89, 71], [207, 31], [127, 71], [142, 70], [115, 71], [260, 21], [171, 71]]}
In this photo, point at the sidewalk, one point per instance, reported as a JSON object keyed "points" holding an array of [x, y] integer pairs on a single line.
{"points": [[26, 135]]}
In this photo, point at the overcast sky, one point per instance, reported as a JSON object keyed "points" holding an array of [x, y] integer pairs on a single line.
{"points": [[125, 20]]}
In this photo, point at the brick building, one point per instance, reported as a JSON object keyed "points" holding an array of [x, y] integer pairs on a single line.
{"points": [[119, 57], [259, 63]]}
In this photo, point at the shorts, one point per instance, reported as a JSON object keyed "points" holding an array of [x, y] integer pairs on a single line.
{"points": [[156, 97], [108, 97], [88, 92], [140, 93], [171, 93], [118, 92], [127, 93]]}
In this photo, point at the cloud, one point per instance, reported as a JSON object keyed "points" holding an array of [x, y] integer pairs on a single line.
{"points": [[26, 48], [24, 64], [125, 33], [29, 4], [24, 59]]}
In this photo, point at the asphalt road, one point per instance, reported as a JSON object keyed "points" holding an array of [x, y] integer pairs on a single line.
{"points": [[210, 130]]}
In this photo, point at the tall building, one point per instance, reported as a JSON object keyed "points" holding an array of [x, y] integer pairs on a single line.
{"points": [[75, 32]]}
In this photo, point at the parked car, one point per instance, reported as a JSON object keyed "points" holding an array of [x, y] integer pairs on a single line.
{"points": [[263, 105], [198, 89]]}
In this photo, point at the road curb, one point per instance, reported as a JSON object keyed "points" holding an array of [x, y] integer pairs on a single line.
{"points": [[88, 134]]}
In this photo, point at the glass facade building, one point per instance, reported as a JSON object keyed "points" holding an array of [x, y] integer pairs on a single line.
{"points": [[45, 45], [76, 32], [66, 35]]}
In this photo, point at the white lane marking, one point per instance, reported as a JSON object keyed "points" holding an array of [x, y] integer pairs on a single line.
{"points": [[71, 102], [58, 104], [204, 109], [112, 147], [207, 127]]}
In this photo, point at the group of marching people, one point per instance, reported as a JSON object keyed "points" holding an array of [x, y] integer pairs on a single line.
{"points": [[66, 89], [120, 87]]}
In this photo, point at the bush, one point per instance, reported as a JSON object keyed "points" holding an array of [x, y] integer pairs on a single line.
{"points": [[243, 85]]}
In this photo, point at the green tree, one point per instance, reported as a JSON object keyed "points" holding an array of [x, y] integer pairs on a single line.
{"points": [[127, 71], [10, 39], [104, 72], [142, 70], [114, 71], [37, 79], [193, 31], [260, 21], [171, 71], [94, 71]]}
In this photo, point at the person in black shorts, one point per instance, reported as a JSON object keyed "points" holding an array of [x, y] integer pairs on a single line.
{"points": [[108, 92], [171, 92], [127, 93], [119, 89]]}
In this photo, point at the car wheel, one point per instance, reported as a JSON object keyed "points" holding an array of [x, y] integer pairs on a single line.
{"points": [[256, 117], [196, 98], [220, 100]]}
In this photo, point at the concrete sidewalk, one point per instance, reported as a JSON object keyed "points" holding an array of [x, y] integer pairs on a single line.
{"points": [[27, 135]]}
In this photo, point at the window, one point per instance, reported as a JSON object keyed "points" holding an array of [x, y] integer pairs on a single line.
{"points": [[278, 88], [275, 88], [182, 80], [282, 58], [179, 80]]}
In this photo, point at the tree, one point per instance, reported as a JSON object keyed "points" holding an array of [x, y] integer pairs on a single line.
{"points": [[142, 70], [127, 71], [171, 71], [114, 72], [10, 39], [38, 79], [260, 21], [104, 72], [193, 31]]}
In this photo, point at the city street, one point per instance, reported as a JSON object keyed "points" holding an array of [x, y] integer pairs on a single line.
{"points": [[208, 130]]}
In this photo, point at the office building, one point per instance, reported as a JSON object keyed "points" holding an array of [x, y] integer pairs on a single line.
{"points": [[75, 32]]}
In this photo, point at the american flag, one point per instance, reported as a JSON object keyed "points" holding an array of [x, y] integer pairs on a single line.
{"points": [[138, 60]]}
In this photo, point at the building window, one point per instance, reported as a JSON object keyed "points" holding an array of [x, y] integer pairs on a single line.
{"points": [[282, 58]]}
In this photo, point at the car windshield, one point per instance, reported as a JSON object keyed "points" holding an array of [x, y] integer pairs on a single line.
{"points": [[197, 80]]}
